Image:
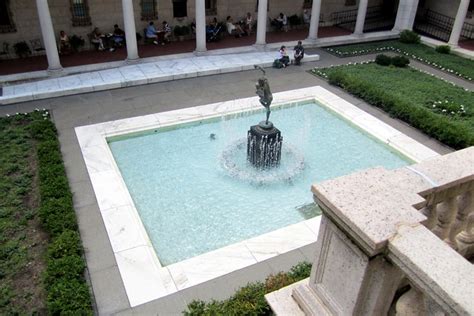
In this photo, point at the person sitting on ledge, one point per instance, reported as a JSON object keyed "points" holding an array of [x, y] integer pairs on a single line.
{"points": [[284, 59], [299, 53], [233, 29], [152, 33]]}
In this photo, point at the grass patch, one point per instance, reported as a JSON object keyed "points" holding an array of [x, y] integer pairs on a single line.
{"points": [[439, 109], [455, 65], [41, 263], [250, 300]]}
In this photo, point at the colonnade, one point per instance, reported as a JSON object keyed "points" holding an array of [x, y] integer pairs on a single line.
{"points": [[54, 64]]}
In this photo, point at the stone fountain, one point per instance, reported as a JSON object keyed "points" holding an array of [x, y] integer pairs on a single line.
{"points": [[264, 140]]}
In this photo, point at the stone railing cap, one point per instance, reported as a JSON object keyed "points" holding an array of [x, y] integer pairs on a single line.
{"points": [[369, 205]]}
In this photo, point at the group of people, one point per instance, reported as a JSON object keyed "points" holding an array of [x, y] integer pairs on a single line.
{"points": [[110, 41], [283, 59], [241, 28], [160, 36]]}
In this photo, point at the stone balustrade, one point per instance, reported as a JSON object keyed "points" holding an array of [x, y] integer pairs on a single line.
{"points": [[383, 231]]}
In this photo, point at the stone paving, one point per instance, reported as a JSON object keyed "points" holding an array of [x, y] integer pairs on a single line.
{"points": [[71, 111], [139, 74]]}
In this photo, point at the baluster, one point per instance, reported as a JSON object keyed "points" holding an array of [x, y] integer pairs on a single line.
{"points": [[446, 211], [412, 303], [465, 206], [465, 239], [430, 212]]}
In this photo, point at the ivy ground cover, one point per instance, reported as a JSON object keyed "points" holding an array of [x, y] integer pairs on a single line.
{"points": [[449, 63], [434, 106], [41, 263]]}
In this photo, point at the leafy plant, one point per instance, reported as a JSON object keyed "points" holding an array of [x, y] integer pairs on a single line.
{"points": [[250, 299], [22, 49], [403, 92], [443, 49], [409, 37], [383, 60], [400, 61], [178, 30]]}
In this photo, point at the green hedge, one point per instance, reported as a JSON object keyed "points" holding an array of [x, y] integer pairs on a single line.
{"points": [[410, 95], [450, 63], [250, 299], [68, 292]]}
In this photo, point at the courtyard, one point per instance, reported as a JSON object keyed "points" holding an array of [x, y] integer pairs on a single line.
{"points": [[70, 112]]}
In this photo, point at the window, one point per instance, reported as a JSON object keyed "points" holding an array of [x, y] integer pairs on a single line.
{"points": [[211, 7], [307, 4], [6, 21], [80, 13], [350, 3], [180, 8], [149, 10]]}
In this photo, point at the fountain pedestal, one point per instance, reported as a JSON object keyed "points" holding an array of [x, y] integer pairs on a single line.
{"points": [[264, 145]]}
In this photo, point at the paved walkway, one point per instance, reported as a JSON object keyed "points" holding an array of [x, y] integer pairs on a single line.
{"points": [[187, 66], [69, 112], [38, 63]]}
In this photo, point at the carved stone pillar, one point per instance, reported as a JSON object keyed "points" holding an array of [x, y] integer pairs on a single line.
{"points": [[345, 280]]}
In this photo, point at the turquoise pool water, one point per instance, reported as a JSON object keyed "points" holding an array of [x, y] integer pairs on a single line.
{"points": [[189, 204]]}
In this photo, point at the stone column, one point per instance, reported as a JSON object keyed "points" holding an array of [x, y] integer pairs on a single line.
{"points": [[314, 24], [130, 31], [361, 12], [200, 26], [54, 65], [262, 22], [406, 14], [458, 23]]}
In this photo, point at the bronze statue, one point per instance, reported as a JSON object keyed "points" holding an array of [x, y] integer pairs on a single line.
{"points": [[263, 91]]}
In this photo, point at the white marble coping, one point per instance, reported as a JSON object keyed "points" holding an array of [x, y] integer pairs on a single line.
{"points": [[139, 74], [143, 276]]}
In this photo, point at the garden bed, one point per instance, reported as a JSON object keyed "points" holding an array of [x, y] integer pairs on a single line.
{"points": [[250, 299], [436, 107], [41, 263], [452, 64]]}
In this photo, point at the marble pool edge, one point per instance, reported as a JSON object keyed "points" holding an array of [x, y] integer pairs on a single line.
{"points": [[143, 277]]}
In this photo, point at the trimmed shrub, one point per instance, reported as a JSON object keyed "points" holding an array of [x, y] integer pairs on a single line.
{"points": [[449, 132], [66, 244], [301, 271], [400, 61], [66, 268], [55, 188], [48, 152], [43, 130], [443, 49], [383, 60], [57, 215], [69, 297], [409, 37], [277, 281], [250, 300]]}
